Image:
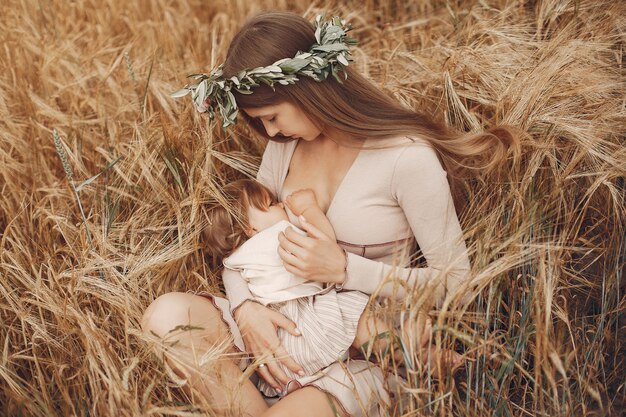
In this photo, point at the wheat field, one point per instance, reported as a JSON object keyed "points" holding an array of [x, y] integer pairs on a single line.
{"points": [[84, 90]]}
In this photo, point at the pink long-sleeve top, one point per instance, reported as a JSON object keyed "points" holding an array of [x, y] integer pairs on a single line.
{"points": [[388, 199]]}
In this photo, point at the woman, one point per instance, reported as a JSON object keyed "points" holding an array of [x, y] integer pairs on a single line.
{"points": [[376, 170]]}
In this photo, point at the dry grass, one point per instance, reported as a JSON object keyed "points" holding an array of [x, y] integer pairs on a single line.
{"points": [[543, 335]]}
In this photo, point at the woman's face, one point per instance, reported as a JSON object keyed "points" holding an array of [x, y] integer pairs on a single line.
{"points": [[285, 119]]}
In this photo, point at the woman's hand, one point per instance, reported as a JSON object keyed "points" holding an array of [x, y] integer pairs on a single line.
{"points": [[258, 325], [315, 257]]}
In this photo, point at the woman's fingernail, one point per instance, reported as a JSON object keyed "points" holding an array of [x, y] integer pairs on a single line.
{"points": [[297, 331], [301, 373], [302, 219]]}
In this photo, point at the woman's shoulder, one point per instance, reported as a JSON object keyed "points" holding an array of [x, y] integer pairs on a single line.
{"points": [[403, 148], [415, 155], [397, 143]]}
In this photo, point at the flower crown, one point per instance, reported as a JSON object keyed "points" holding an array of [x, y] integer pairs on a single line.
{"points": [[212, 93]]}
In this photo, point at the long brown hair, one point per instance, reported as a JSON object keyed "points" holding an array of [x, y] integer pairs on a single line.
{"points": [[355, 108]]}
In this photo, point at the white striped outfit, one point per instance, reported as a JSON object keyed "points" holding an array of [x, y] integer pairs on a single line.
{"points": [[326, 318]]}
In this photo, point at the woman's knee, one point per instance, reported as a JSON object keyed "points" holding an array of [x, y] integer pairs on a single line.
{"points": [[174, 309]]}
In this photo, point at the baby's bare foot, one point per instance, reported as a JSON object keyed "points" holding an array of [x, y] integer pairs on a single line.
{"points": [[416, 332]]}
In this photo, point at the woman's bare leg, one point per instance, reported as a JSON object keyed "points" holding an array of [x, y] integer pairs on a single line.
{"points": [[220, 382], [305, 402]]}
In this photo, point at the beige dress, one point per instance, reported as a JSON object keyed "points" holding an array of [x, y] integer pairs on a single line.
{"points": [[388, 198]]}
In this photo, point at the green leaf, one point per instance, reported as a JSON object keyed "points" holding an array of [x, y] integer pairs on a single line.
{"points": [[336, 76], [243, 91], [174, 171], [293, 65], [275, 68], [198, 76], [201, 92], [259, 70], [180, 93], [332, 33], [217, 72], [333, 47], [90, 180], [231, 100], [319, 61]]}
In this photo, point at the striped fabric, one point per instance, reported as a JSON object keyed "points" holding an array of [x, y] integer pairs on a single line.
{"points": [[328, 325]]}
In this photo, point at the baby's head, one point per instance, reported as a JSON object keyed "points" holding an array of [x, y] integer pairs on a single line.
{"points": [[251, 207]]}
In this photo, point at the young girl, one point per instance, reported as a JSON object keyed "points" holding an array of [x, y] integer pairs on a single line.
{"points": [[330, 321]]}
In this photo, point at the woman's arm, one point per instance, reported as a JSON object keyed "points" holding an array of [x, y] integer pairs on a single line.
{"points": [[421, 189], [258, 326], [236, 288]]}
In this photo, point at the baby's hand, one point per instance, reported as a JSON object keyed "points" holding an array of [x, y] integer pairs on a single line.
{"points": [[300, 200]]}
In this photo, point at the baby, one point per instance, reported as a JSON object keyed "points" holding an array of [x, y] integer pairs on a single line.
{"points": [[246, 237]]}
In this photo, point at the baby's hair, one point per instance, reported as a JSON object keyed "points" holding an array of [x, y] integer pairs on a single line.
{"points": [[228, 224]]}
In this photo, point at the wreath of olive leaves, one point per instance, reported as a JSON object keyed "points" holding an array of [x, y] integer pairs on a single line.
{"points": [[212, 93]]}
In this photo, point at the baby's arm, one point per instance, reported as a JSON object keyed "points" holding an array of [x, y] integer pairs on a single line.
{"points": [[303, 202]]}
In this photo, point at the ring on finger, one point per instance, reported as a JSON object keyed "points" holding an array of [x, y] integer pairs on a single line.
{"points": [[262, 365]]}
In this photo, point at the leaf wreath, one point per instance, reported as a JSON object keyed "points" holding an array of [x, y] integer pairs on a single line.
{"points": [[330, 55]]}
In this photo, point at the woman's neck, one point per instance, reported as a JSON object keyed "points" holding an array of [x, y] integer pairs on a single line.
{"points": [[335, 141]]}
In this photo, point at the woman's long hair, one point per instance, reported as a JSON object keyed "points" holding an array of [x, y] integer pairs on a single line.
{"points": [[356, 108]]}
